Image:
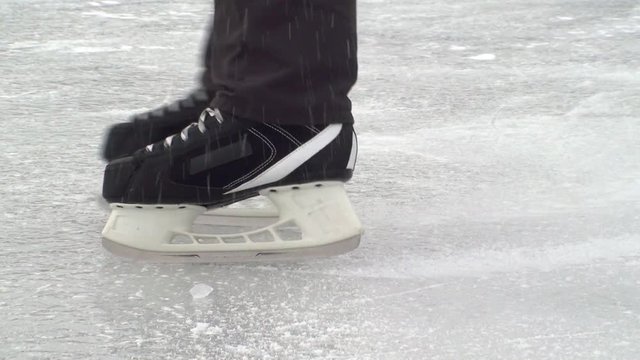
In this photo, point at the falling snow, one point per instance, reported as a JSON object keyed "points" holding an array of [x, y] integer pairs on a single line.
{"points": [[498, 180]]}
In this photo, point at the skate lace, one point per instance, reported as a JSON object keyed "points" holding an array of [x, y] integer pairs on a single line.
{"points": [[200, 124]]}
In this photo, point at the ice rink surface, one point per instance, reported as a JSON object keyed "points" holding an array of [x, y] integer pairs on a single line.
{"points": [[498, 181]]}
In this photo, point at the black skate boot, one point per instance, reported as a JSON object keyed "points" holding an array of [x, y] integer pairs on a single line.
{"points": [[223, 159], [159, 192], [143, 129]]}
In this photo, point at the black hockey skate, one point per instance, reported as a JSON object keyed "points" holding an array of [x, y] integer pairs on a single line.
{"points": [[159, 191], [146, 128]]}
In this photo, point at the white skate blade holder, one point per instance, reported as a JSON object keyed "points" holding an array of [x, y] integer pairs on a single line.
{"points": [[310, 220]]}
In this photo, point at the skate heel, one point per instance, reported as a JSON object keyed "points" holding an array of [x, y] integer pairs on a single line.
{"points": [[314, 219], [322, 211]]}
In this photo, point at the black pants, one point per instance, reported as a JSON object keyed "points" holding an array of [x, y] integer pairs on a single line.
{"points": [[283, 61]]}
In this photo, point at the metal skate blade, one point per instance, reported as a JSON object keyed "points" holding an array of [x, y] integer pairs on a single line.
{"points": [[332, 249]]}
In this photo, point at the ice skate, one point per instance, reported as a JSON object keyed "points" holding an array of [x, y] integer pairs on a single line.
{"points": [[146, 128], [166, 193]]}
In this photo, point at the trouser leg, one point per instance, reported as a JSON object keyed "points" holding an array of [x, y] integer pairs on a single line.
{"points": [[284, 61], [206, 79]]}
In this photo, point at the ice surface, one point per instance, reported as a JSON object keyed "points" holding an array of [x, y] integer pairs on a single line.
{"points": [[483, 57], [500, 197]]}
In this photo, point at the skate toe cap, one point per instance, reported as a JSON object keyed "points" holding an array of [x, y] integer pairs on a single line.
{"points": [[117, 176]]}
